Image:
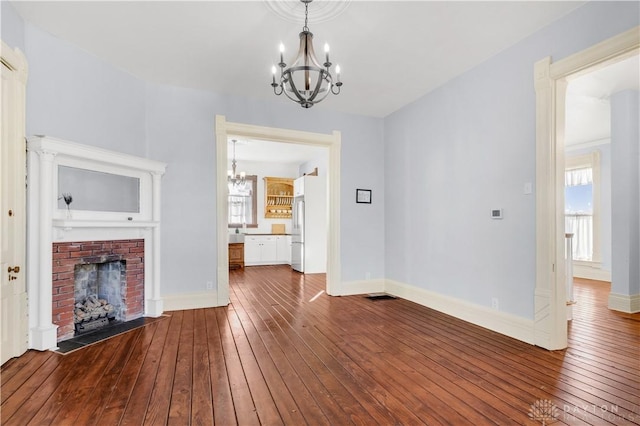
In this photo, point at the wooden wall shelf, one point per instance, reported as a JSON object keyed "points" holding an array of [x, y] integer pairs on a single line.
{"points": [[278, 197]]}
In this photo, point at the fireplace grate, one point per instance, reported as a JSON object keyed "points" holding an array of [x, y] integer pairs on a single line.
{"points": [[94, 324]]}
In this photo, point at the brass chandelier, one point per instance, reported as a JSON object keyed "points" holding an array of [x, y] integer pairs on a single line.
{"points": [[306, 81], [235, 181]]}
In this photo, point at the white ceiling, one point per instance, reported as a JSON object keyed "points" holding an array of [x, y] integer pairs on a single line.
{"points": [[390, 52]]}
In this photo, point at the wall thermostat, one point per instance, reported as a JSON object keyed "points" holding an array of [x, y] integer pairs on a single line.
{"points": [[496, 214]]}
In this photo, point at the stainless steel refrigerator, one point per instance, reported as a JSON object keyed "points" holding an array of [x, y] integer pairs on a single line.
{"points": [[297, 234], [309, 225]]}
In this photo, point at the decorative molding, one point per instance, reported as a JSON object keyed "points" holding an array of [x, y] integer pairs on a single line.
{"points": [[549, 301], [619, 47], [334, 267], [222, 212], [69, 224], [15, 60], [501, 322], [320, 11], [625, 303], [107, 161], [182, 301]]}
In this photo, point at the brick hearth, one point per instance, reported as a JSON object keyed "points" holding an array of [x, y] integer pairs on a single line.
{"points": [[67, 255]]}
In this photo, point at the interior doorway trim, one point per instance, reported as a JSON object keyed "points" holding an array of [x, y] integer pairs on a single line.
{"points": [[550, 318], [332, 141]]}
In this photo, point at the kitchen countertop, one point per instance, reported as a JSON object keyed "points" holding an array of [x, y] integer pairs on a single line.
{"points": [[239, 238], [248, 235]]}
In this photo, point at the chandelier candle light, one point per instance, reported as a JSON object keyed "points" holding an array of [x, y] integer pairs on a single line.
{"points": [[234, 180], [306, 81]]}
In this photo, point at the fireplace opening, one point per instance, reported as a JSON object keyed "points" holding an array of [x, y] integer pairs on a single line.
{"points": [[88, 272], [99, 290]]}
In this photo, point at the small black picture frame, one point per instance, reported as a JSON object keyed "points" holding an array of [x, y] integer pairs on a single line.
{"points": [[363, 196]]}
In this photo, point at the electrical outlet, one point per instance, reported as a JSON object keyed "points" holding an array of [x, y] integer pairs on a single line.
{"points": [[209, 285], [494, 303]]}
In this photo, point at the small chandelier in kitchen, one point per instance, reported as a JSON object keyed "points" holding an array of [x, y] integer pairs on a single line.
{"points": [[235, 181], [306, 81]]}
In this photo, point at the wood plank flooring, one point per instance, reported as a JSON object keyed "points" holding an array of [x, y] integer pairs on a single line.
{"points": [[284, 353]]}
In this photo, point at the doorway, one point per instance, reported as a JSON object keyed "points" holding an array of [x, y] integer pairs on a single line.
{"points": [[550, 325], [588, 163], [332, 142]]}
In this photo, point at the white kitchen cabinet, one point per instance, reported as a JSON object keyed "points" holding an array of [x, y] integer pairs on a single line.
{"points": [[252, 251], [283, 246], [261, 250]]}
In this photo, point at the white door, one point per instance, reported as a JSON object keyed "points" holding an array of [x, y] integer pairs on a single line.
{"points": [[13, 307]]}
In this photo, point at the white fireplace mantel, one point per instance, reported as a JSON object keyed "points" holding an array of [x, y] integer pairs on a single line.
{"points": [[47, 223]]}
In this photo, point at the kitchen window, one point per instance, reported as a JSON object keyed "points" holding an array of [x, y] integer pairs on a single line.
{"points": [[243, 205]]}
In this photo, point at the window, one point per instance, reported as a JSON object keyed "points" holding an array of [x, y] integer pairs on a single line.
{"points": [[582, 205], [243, 205]]}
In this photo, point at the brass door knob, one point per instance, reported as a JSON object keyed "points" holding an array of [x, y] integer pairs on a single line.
{"points": [[15, 269]]}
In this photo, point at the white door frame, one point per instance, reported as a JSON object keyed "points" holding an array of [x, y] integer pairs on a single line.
{"points": [[550, 323], [13, 215], [224, 130]]}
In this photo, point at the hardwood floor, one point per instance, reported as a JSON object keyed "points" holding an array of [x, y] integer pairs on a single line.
{"points": [[285, 353]]}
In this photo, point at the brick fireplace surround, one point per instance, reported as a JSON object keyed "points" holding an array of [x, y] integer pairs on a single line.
{"points": [[68, 254]]}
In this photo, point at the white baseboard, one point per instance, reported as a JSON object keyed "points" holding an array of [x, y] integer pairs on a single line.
{"points": [[624, 303], [510, 325], [351, 288], [591, 273], [182, 301]]}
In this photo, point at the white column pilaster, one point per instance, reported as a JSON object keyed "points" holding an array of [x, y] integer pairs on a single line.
{"points": [[153, 302], [44, 334]]}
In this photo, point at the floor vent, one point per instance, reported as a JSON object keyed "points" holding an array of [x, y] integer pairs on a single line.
{"points": [[379, 296]]}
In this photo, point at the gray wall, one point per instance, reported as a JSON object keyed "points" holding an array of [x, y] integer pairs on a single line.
{"points": [[12, 26], [436, 167], [75, 96], [469, 147], [625, 201]]}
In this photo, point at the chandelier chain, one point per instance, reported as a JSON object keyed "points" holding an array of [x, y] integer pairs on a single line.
{"points": [[306, 17]]}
